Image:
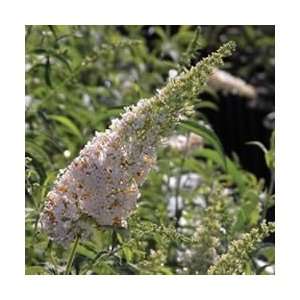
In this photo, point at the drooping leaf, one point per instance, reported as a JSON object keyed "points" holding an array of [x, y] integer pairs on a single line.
{"points": [[60, 58], [206, 104], [269, 154], [259, 145], [68, 124]]}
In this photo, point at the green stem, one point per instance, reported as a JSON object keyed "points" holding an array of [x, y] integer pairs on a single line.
{"points": [[33, 240], [72, 255]]}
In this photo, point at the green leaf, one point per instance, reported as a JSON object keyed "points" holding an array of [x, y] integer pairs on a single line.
{"points": [[208, 135], [84, 251], [259, 145], [28, 32], [39, 51], [48, 72], [69, 125], [127, 253], [248, 212], [49, 179], [36, 151], [240, 221], [269, 155], [53, 30], [35, 270], [250, 207], [104, 268], [60, 58], [268, 251], [165, 271], [52, 53], [235, 173], [206, 104]]}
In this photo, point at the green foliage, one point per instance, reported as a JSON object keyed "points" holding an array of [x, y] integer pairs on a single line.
{"points": [[269, 154], [207, 133], [80, 77]]}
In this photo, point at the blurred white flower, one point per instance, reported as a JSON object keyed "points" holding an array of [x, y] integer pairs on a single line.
{"points": [[184, 143], [172, 74], [86, 99], [67, 153], [222, 80], [28, 101]]}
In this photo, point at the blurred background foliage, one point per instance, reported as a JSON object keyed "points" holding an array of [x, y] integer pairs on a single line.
{"points": [[193, 205]]}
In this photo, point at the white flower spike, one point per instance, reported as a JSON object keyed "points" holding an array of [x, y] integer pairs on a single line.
{"points": [[101, 185]]}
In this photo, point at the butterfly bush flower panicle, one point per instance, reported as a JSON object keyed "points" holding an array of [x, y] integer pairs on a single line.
{"points": [[102, 184], [233, 262]]}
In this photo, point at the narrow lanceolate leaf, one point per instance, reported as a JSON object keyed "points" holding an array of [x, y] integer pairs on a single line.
{"points": [[60, 58], [67, 123], [50, 53], [206, 104], [101, 185], [48, 72], [259, 145], [269, 154]]}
